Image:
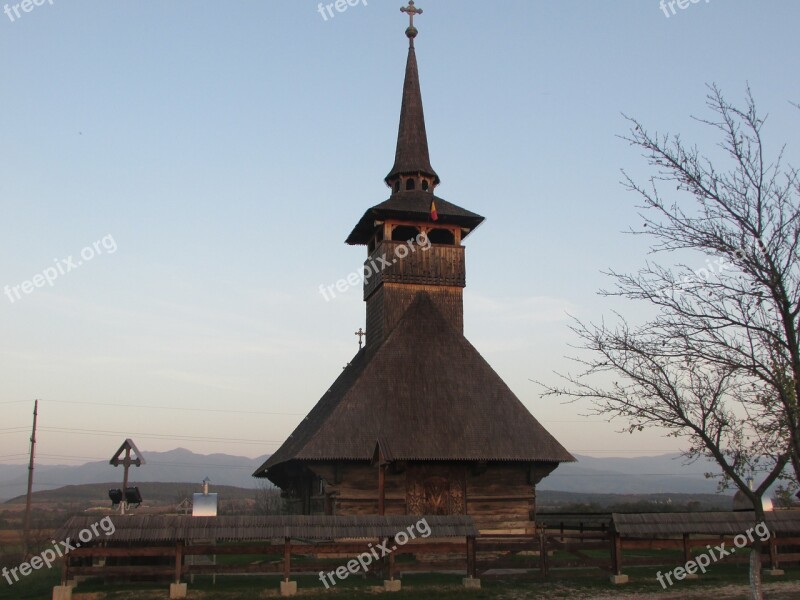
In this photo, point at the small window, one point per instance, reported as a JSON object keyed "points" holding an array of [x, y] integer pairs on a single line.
{"points": [[409, 184], [442, 236], [425, 185], [397, 186]]}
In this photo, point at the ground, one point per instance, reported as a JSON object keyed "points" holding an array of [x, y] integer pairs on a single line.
{"points": [[772, 591], [726, 582]]}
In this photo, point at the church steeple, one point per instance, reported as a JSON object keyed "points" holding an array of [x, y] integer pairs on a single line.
{"points": [[414, 239], [412, 168]]}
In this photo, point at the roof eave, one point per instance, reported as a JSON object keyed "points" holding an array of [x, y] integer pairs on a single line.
{"points": [[364, 229]]}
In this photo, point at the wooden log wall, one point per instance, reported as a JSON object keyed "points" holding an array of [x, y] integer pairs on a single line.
{"points": [[499, 497], [438, 265]]}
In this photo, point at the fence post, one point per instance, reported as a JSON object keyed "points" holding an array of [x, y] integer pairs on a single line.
{"points": [[287, 558], [178, 561], [687, 550], [178, 589], [288, 588], [472, 568], [543, 567], [687, 555], [774, 563], [773, 554], [392, 545], [65, 570], [471, 581], [391, 584], [616, 557]]}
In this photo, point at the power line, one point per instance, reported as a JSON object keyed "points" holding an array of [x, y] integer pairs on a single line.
{"points": [[157, 436], [179, 408], [70, 457], [152, 462], [239, 412], [12, 430]]}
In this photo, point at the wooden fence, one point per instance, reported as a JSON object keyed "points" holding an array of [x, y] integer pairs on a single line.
{"points": [[564, 541]]}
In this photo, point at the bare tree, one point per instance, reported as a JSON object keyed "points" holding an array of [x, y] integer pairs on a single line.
{"points": [[268, 500], [719, 363], [183, 492]]}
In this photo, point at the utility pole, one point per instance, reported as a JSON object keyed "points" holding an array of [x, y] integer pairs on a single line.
{"points": [[27, 523]]}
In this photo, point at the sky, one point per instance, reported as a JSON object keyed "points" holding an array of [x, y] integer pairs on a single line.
{"points": [[177, 180]]}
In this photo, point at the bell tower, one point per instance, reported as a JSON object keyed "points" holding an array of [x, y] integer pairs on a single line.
{"points": [[414, 239]]}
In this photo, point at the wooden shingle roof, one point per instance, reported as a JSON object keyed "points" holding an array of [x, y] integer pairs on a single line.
{"points": [[428, 395], [709, 523], [411, 155], [412, 206]]}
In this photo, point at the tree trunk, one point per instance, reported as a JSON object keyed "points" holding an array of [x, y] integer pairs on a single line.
{"points": [[756, 593]]}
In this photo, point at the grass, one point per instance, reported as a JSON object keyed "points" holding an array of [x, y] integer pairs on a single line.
{"points": [[562, 584], [36, 586]]}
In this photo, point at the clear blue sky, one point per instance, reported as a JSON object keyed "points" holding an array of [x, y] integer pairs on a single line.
{"points": [[227, 149]]}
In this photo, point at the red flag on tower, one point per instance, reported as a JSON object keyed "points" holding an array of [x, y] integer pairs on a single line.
{"points": [[434, 215]]}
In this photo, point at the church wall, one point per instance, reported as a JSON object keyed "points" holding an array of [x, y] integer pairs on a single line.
{"points": [[500, 498], [357, 490], [376, 318]]}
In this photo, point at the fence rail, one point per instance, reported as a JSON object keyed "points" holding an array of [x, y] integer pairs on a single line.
{"points": [[585, 545]]}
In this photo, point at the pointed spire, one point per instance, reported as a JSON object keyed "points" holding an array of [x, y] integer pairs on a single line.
{"points": [[411, 156]]}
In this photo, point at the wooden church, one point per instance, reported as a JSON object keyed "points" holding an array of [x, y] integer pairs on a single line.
{"points": [[418, 423]]}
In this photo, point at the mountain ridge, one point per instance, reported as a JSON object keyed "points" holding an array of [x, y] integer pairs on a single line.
{"points": [[604, 475]]}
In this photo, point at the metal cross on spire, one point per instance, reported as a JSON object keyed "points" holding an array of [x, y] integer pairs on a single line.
{"points": [[411, 11], [360, 333]]}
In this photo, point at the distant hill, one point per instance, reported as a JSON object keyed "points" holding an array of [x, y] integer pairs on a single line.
{"points": [[664, 474], [667, 474], [178, 465], [159, 494], [548, 502]]}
